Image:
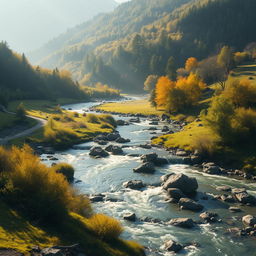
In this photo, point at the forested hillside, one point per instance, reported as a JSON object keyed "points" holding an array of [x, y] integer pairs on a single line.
{"points": [[144, 37], [19, 81]]}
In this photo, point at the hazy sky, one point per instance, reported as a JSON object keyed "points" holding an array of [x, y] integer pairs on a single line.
{"points": [[28, 24]]}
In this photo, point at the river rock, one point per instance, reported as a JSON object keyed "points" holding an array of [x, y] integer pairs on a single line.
{"points": [[244, 197], [113, 136], [115, 150], [227, 198], [172, 246], [164, 178], [122, 140], [100, 138], [145, 168], [101, 142], [149, 158], [186, 184], [165, 129], [96, 198], [182, 222], [175, 193], [181, 153], [209, 216], [211, 168], [98, 152], [238, 190], [249, 220], [224, 188], [52, 252], [146, 146], [121, 122], [161, 161], [130, 217], [165, 117], [134, 184], [135, 120], [234, 209], [189, 204]]}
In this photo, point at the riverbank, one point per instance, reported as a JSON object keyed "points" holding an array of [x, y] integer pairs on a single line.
{"points": [[105, 180], [63, 128]]}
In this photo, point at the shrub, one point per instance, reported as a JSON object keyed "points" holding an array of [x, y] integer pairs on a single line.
{"points": [[92, 118], [242, 93], [78, 125], [219, 116], [108, 119], [76, 114], [66, 170], [21, 111], [205, 145], [58, 136], [244, 125], [35, 190], [105, 227]]}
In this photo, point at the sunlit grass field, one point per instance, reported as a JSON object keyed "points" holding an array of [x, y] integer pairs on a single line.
{"points": [[131, 107]]}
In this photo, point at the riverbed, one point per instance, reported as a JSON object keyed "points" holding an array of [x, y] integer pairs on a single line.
{"points": [[106, 175]]}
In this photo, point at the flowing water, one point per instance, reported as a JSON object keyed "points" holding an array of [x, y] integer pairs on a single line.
{"points": [[106, 176]]}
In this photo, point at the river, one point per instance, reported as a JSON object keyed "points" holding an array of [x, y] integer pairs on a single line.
{"points": [[107, 175]]}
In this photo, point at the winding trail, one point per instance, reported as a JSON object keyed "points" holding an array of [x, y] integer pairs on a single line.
{"points": [[40, 123]]}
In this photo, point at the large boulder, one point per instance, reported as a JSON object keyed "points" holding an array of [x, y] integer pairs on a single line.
{"points": [[149, 157], [182, 222], [249, 220], [186, 184], [98, 152], [172, 246], [188, 204], [115, 150], [134, 184], [145, 168]]}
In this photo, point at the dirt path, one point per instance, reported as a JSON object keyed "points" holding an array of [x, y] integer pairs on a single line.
{"points": [[40, 123]]}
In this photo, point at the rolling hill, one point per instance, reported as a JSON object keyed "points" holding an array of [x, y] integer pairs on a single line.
{"points": [[137, 39]]}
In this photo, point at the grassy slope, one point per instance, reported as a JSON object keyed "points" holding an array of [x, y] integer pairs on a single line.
{"points": [[130, 107], [17, 233], [184, 139], [45, 109]]}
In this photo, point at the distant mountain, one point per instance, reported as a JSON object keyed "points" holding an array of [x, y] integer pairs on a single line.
{"points": [[27, 24], [139, 38], [126, 19]]}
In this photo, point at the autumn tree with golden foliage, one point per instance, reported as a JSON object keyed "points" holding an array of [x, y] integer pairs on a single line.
{"points": [[163, 87], [177, 95], [191, 64]]}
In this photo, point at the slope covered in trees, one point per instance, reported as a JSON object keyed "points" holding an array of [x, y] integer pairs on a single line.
{"points": [[19, 80], [151, 37]]}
